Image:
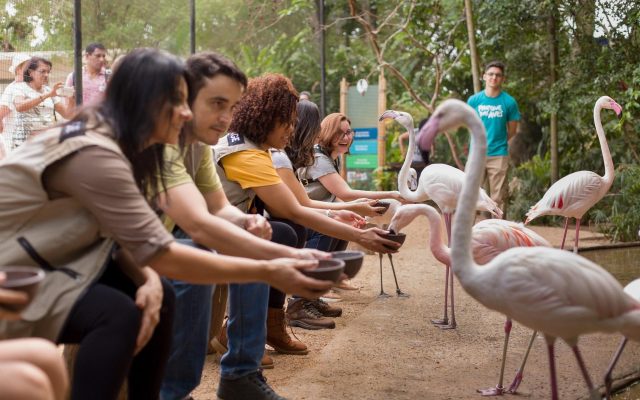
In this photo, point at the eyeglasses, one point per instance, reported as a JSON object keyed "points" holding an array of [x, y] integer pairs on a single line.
{"points": [[347, 132], [43, 71], [492, 74]]}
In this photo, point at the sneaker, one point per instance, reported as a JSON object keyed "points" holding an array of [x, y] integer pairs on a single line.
{"points": [[253, 386], [326, 309], [301, 313], [331, 297]]}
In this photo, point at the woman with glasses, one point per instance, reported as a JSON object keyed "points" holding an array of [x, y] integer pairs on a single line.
{"points": [[323, 181], [35, 102]]}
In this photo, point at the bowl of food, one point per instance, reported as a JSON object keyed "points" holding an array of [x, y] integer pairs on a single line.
{"points": [[24, 279], [327, 270], [396, 237], [352, 261], [384, 204]]}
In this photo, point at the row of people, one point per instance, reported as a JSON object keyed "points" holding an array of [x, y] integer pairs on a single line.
{"points": [[83, 204]]}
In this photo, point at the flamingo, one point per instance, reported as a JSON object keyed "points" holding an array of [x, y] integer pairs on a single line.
{"points": [[573, 195], [440, 183], [633, 289], [558, 293], [383, 222], [490, 237]]}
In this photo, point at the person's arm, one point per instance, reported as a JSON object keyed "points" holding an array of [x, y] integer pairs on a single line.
{"points": [[281, 203], [364, 208], [63, 109], [186, 206], [512, 129], [335, 184], [219, 205], [24, 103], [4, 111]]}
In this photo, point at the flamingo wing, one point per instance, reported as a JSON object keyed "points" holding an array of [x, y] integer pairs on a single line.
{"points": [[491, 237], [557, 292], [571, 196]]}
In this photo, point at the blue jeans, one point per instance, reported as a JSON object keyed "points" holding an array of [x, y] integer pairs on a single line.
{"points": [[320, 241], [190, 337], [246, 329]]}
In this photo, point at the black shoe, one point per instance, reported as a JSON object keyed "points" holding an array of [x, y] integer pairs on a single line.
{"points": [[253, 386]]}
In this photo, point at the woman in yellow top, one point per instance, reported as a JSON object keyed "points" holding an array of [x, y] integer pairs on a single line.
{"points": [[264, 119]]}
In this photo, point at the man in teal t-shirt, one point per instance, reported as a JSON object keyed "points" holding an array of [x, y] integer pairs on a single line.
{"points": [[500, 116]]}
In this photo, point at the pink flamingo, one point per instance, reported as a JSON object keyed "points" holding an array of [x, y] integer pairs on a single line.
{"points": [[440, 183], [489, 238], [558, 293], [633, 289], [573, 195]]}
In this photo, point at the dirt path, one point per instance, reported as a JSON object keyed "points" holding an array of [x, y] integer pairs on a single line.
{"points": [[388, 349]]}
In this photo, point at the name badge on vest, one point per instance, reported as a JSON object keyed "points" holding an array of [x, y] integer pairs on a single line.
{"points": [[234, 139], [72, 129]]}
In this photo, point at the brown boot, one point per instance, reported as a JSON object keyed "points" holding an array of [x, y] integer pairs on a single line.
{"points": [[302, 313], [278, 337], [219, 344]]}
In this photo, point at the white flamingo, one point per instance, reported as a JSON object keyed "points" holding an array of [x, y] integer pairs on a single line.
{"points": [[489, 238], [573, 195], [633, 289], [549, 290], [440, 183]]}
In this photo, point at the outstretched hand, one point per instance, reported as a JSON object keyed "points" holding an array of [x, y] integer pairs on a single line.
{"points": [[372, 240], [258, 226], [10, 297]]}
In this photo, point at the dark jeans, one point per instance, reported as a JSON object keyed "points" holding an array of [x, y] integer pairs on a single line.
{"points": [[290, 234], [105, 322], [323, 242]]}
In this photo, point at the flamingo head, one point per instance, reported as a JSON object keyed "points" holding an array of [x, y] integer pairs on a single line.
{"points": [[608, 102], [446, 117], [404, 118], [403, 217]]}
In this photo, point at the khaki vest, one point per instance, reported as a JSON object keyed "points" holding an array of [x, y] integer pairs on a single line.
{"points": [[57, 235], [229, 144]]}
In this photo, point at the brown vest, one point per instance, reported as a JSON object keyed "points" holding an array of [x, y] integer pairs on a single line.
{"points": [[57, 235]]}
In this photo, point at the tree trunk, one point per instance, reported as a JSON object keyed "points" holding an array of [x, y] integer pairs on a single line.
{"points": [[475, 70], [553, 77]]}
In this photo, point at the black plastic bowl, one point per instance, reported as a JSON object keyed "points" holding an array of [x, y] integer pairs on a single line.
{"points": [[327, 270], [24, 279], [396, 237], [352, 261], [384, 204]]}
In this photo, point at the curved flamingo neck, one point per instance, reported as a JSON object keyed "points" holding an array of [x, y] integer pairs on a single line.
{"points": [[403, 175], [461, 257], [436, 243], [609, 170]]}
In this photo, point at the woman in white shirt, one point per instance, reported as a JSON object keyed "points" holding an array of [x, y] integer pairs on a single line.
{"points": [[35, 102]]}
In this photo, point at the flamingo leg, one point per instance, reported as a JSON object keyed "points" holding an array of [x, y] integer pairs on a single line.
{"points": [[575, 245], [519, 374], [607, 376], [593, 393], [399, 292], [445, 319], [564, 235], [382, 293], [452, 324], [499, 389], [552, 369]]}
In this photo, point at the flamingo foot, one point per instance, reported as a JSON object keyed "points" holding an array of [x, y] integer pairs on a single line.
{"points": [[383, 295], [400, 293], [452, 325], [494, 391], [516, 382], [444, 321]]}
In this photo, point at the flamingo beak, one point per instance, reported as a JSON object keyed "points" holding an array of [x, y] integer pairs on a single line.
{"points": [[428, 133], [387, 114], [617, 108]]}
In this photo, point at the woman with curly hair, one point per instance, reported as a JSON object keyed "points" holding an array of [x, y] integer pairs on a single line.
{"points": [[264, 119]]}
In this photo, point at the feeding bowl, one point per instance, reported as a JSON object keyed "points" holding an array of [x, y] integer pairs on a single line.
{"points": [[24, 279], [396, 237], [384, 204], [327, 270], [352, 261]]}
